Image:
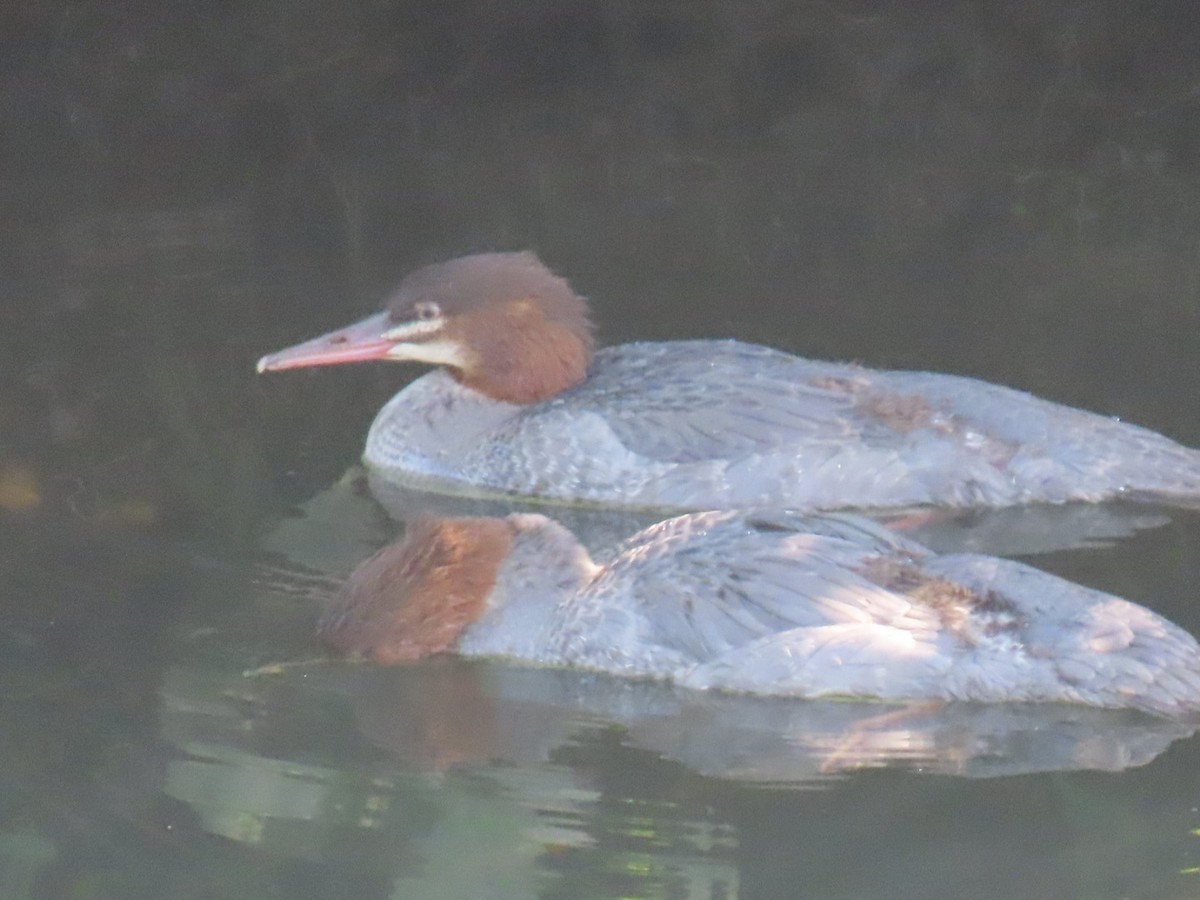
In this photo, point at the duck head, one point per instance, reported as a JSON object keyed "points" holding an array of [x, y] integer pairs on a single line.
{"points": [[502, 323]]}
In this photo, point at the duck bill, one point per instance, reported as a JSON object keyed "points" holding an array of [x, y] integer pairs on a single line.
{"points": [[361, 342]]}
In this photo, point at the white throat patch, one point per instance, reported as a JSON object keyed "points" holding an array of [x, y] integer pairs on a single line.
{"points": [[439, 352]]}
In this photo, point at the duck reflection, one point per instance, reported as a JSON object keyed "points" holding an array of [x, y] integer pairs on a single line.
{"points": [[769, 603]]}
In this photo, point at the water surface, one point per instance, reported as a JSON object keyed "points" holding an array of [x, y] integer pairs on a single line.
{"points": [[1013, 195]]}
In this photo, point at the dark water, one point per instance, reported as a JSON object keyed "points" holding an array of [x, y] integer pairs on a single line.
{"points": [[1007, 191]]}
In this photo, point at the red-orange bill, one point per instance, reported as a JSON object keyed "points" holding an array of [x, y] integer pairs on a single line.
{"points": [[359, 342]]}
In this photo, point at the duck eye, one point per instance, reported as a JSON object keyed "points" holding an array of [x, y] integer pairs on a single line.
{"points": [[427, 310]]}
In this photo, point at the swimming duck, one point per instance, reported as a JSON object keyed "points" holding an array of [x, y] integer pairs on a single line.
{"points": [[521, 405]]}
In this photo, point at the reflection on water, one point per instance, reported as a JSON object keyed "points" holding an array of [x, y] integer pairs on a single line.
{"points": [[493, 780], [1010, 192], [476, 779], [320, 779], [436, 784]]}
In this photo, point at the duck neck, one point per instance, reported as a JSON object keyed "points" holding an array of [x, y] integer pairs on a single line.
{"points": [[519, 356]]}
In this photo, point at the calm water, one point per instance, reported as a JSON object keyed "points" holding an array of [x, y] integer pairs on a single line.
{"points": [[1010, 195]]}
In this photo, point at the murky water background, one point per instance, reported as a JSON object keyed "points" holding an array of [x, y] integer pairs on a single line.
{"points": [[1007, 193]]}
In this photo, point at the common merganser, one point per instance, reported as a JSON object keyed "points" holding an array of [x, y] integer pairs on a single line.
{"points": [[763, 603], [520, 406]]}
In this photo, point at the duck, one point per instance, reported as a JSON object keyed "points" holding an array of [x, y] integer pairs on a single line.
{"points": [[770, 603], [520, 404]]}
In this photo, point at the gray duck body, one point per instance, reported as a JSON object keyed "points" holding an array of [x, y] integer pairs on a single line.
{"points": [[723, 424]]}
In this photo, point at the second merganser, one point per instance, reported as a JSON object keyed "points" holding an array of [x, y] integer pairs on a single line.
{"points": [[521, 406], [763, 603]]}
